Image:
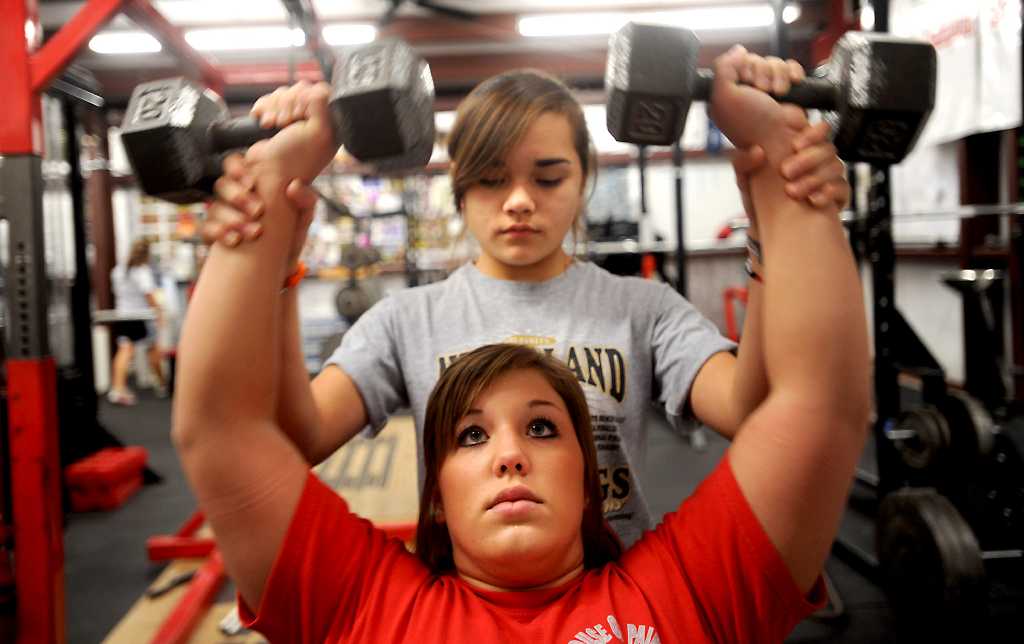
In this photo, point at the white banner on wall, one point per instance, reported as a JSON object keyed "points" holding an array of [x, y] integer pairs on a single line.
{"points": [[999, 64], [979, 73]]}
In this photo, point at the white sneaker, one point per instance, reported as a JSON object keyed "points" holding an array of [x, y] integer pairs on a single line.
{"points": [[124, 398]]}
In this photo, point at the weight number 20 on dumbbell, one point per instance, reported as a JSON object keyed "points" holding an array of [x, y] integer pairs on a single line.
{"points": [[381, 105]]}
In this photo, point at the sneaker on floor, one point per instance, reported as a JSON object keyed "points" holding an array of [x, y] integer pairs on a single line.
{"points": [[160, 391], [125, 398]]}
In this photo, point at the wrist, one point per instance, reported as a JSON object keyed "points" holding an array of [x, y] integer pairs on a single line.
{"points": [[753, 270], [754, 250], [778, 142], [271, 174]]}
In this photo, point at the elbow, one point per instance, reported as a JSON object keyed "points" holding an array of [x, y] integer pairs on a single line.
{"points": [[853, 406], [191, 423], [184, 432]]}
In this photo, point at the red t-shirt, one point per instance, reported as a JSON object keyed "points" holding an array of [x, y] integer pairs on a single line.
{"points": [[708, 573]]}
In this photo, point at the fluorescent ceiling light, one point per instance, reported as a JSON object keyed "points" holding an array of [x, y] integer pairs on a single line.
{"points": [[867, 18], [348, 34], [124, 42], [746, 16], [791, 13], [204, 12], [571, 24], [31, 31], [236, 38]]}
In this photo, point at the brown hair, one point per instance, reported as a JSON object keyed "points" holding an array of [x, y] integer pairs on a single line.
{"points": [[495, 116], [139, 253], [454, 393]]}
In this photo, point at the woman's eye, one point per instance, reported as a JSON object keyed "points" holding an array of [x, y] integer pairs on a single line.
{"points": [[472, 436], [491, 182], [549, 183], [542, 428]]}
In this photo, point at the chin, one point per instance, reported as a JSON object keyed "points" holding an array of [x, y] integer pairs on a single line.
{"points": [[521, 545], [524, 258], [518, 556]]}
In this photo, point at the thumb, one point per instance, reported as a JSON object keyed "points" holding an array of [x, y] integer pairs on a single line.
{"points": [[302, 196]]}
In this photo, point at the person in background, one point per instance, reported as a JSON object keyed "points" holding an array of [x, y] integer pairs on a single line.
{"points": [[135, 293]]}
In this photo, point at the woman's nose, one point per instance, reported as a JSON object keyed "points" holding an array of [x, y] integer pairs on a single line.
{"points": [[519, 200], [510, 457]]}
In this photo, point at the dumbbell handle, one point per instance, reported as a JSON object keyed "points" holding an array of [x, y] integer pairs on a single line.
{"points": [[238, 133], [812, 93]]}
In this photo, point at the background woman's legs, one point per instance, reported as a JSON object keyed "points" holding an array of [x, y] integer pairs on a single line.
{"points": [[119, 393]]}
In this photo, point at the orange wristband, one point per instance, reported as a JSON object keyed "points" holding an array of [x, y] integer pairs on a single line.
{"points": [[292, 280]]}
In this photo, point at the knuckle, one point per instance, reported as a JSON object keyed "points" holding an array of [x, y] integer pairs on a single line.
{"points": [[222, 187]]}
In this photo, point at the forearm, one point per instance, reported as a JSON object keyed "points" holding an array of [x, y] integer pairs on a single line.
{"points": [[750, 384], [229, 349], [296, 410], [814, 332]]}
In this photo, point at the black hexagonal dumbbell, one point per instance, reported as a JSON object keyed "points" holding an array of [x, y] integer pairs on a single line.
{"points": [[381, 107], [878, 93]]}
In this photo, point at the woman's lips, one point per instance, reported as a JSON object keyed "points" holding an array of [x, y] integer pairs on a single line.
{"points": [[519, 231]]}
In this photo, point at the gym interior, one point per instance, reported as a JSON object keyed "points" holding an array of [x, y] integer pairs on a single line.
{"points": [[101, 538]]}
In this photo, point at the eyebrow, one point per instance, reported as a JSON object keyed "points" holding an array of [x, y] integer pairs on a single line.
{"points": [[545, 163], [531, 404], [540, 163]]}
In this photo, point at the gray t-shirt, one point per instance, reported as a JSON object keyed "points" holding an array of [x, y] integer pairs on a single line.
{"points": [[630, 341]]}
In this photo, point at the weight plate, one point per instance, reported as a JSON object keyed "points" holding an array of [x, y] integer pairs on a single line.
{"points": [[931, 564], [927, 445], [973, 430], [351, 302]]}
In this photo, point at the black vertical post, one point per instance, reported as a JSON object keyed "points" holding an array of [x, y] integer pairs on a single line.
{"points": [[641, 162], [882, 257], [881, 8], [81, 316], [856, 226], [779, 43], [1017, 265], [677, 164]]}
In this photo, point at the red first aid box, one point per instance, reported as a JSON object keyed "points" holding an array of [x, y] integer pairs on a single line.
{"points": [[106, 479]]}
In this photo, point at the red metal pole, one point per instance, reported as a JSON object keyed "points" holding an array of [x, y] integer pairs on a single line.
{"points": [[31, 373], [142, 12], [21, 130], [178, 626], [36, 483], [64, 45], [839, 22]]}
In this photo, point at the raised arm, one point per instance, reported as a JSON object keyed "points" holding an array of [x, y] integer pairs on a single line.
{"points": [[247, 475], [728, 388], [322, 415], [795, 454]]}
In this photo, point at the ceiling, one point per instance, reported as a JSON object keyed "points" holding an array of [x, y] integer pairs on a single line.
{"points": [[464, 41]]}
